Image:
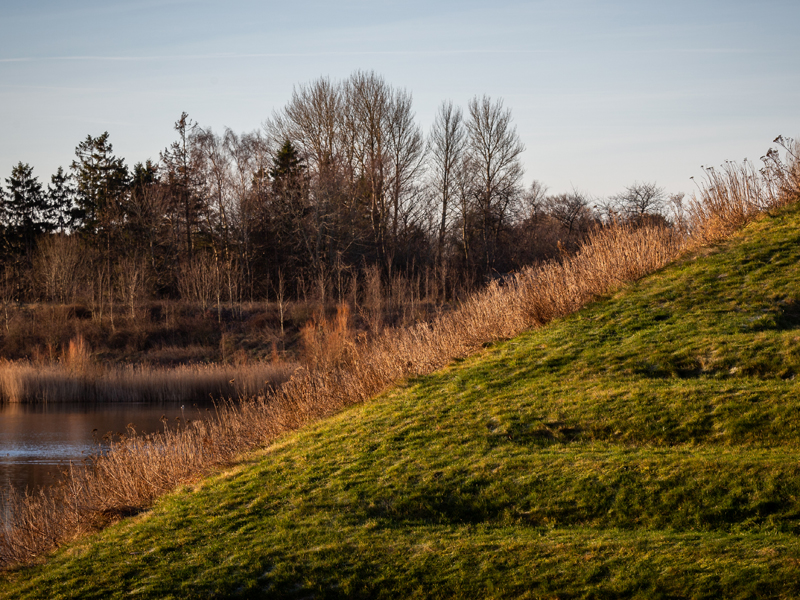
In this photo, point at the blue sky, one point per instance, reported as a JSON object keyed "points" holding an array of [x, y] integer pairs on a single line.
{"points": [[602, 93]]}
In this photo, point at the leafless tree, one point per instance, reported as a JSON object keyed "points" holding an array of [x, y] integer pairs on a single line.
{"points": [[8, 294], [132, 276], [215, 163], [494, 150], [57, 267], [406, 151], [201, 280], [318, 122], [313, 120], [148, 213], [446, 145], [368, 99], [569, 209], [465, 186], [607, 209], [533, 202], [244, 152], [280, 296], [641, 199]]}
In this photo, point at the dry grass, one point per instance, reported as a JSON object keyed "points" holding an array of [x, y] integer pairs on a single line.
{"points": [[343, 371], [735, 193]]}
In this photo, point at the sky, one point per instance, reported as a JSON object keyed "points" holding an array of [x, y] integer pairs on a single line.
{"points": [[603, 94]]}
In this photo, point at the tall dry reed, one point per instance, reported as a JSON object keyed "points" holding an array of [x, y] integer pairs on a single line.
{"points": [[735, 193], [139, 468], [23, 381]]}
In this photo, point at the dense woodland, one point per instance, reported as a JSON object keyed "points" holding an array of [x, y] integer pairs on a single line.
{"points": [[339, 188]]}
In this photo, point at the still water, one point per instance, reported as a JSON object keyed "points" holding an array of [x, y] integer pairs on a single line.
{"points": [[38, 441]]}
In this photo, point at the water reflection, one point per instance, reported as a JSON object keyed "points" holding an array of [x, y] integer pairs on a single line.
{"points": [[38, 441]]}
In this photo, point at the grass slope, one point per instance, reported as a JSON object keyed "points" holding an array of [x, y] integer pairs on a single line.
{"points": [[645, 447]]}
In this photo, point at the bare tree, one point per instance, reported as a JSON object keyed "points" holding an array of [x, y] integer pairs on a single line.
{"points": [[214, 161], [132, 281], [569, 209], [533, 202], [494, 150], [243, 151], [201, 280], [446, 145], [280, 296], [607, 209], [313, 120], [368, 98], [8, 289], [57, 266], [640, 199], [319, 122], [465, 186], [406, 152]]}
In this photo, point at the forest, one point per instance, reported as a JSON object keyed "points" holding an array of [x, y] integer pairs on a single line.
{"points": [[339, 196]]}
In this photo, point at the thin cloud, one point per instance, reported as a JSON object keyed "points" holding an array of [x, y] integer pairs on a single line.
{"points": [[266, 55], [246, 55]]}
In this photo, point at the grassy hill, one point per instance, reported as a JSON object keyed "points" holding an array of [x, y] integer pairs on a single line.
{"points": [[647, 446]]}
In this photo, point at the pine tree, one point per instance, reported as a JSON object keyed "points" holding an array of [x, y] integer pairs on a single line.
{"points": [[61, 194], [290, 204], [288, 175], [101, 180], [286, 163], [26, 207]]}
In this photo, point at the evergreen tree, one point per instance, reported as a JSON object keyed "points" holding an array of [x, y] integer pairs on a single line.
{"points": [[289, 218], [144, 174], [61, 199], [101, 180], [26, 207], [287, 165]]}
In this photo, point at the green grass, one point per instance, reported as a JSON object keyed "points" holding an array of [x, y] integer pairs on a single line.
{"points": [[646, 447]]}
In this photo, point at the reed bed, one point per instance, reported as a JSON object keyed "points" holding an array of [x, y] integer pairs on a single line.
{"points": [[139, 468], [23, 381]]}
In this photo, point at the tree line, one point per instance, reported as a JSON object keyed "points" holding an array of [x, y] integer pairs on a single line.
{"points": [[340, 180]]}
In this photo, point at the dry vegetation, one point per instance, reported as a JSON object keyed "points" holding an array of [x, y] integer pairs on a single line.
{"points": [[76, 377], [21, 382], [344, 368]]}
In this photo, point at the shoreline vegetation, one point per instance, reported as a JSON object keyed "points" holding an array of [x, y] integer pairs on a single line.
{"points": [[25, 382]]}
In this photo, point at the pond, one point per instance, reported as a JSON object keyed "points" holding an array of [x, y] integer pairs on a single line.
{"points": [[38, 441]]}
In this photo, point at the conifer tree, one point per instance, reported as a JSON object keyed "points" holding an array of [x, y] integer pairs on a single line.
{"points": [[26, 207], [61, 199], [290, 206], [101, 179]]}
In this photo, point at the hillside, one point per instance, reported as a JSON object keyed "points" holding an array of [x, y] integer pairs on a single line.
{"points": [[646, 446]]}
